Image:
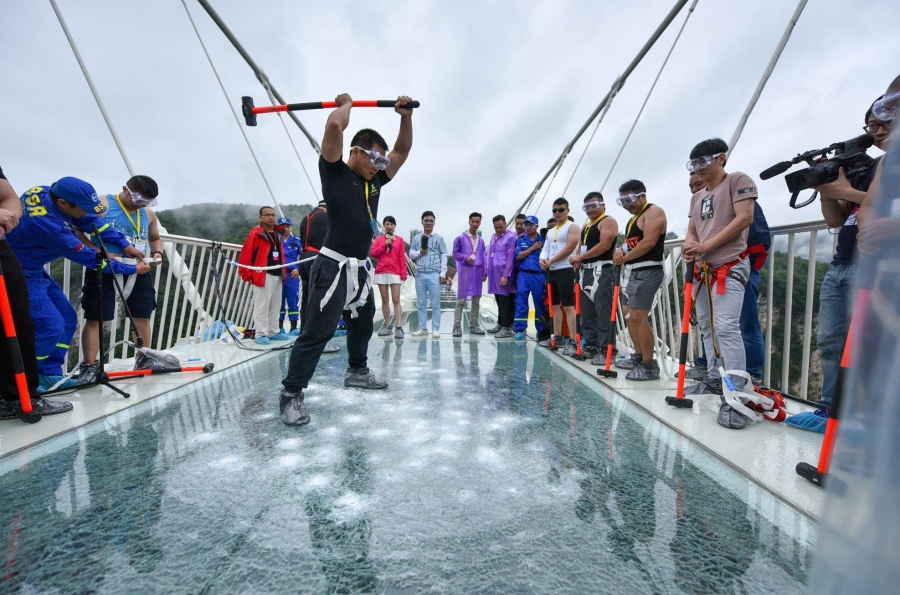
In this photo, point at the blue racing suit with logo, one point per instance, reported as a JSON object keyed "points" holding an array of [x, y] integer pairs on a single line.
{"points": [[290, 289], [43, 235], [531, 281]]}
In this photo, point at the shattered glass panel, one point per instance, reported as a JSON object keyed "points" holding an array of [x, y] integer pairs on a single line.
{"points": [[484, 468]]}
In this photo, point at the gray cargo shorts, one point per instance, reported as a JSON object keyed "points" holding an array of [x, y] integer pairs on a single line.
{"points": [[642, 285]]}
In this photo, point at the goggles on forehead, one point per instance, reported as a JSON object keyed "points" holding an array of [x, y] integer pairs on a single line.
{"points": [[139, 200], [699, 163], [592, 205], [626, 200], [375, 158], [880, 108]]}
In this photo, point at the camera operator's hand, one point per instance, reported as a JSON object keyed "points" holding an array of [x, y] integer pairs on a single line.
{"points": [[132, 252], [142, 267], [8, 220], [840, 189]]}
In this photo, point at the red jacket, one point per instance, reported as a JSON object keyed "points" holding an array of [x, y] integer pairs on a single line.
{"points": [[255, 253], [393, 261]]}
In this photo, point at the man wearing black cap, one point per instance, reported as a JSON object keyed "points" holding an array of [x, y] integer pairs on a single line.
{"points": [[290, 291], [47, 232], [340, 283]]}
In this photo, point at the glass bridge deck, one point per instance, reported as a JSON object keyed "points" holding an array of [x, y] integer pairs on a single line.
{"points": [[484, 467]]}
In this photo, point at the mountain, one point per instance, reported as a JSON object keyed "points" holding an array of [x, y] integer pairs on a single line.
{"points": [[222, 222]]}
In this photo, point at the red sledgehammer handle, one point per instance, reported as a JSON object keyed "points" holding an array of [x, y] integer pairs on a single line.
{"points": [[13, 342], [296, 107]]}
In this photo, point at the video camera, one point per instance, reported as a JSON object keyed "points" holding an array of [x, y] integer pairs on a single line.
{"points": [[849, 155]]}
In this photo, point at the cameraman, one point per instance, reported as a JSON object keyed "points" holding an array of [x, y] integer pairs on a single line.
{"points": [[841, 201]]}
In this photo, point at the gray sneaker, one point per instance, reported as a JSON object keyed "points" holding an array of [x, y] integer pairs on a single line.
{"points": [[710, 386], [731, 419], [457, 331], [504, 333], [697, 373], [363, 378], [385, 331], [476, 330], [644, 371], [629, 363], [331, 348], [293, 409], [570, 348], [398, 332], [494, 329]]}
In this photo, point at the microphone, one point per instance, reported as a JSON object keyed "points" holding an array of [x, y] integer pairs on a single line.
{"points": [[389, 235], [778, 168]]}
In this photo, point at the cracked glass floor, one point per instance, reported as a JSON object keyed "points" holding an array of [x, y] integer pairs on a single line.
{"points": [[483, 468]]}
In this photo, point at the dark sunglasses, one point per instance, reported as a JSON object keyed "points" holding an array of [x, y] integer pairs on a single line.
{"points": [[562, 210]]}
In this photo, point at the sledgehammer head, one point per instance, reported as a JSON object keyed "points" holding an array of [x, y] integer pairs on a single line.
{"points": [[681, 403], [607, 373], [247, 110]]}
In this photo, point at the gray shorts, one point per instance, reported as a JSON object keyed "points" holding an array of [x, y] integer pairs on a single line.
{"points": [[642, 287]]}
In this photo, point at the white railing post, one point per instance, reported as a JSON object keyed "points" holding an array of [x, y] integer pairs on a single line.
{"points": [[789, 302], [808, 314]]}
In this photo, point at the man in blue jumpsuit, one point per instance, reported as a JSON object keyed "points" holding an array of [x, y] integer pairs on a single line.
{"points": [[290, 290], [531, 278], [47, 232]]}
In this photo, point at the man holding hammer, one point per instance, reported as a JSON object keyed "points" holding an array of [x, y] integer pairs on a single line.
{"points": [[339, 281]]}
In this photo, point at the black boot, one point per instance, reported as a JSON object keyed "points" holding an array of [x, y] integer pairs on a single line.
{"points": [[293, 409]]}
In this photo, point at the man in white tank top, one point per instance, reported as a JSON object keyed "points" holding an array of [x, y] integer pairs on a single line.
{"points": [[561, 243]]}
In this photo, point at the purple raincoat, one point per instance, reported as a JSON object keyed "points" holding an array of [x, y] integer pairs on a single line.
{"points": [[469, 275], [500, 263]]}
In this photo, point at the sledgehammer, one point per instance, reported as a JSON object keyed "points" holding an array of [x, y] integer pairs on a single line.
{"points": [[607, 372], [250, 111]]}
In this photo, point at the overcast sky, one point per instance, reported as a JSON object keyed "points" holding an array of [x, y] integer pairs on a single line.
{"points": [[503, 86]]}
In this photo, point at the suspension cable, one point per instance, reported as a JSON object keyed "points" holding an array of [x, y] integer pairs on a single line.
{"points": [[233, 111], [649, 93], [613, 93]]}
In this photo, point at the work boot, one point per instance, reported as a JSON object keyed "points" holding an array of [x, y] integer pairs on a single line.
{"points": [[629, 363], [457, 330], [644, 371], [385, 331], [476, 330], [293, 409], [363, 378], [494, 329], [710, 386], [697, 373], [398, 332], [504, 333], [570, 348], [730, 418]]}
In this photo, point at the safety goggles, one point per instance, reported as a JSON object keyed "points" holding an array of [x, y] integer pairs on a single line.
{"points": [[378, 160], [626, 200], [590, 206], [880, 108], [139, 200], [428, 220], [699, 163]]}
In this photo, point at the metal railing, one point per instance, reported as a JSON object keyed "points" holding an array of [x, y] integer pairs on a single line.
{"points": [[186, 299], [800, 245]]}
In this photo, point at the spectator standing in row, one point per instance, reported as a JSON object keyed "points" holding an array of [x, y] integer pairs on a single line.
{"points": [[390, 273], [641, 256], [430, 253], [263, 248], [468, 252], [500, 276], [290, 291], [594, 260], [531, 278], [562, 240]]}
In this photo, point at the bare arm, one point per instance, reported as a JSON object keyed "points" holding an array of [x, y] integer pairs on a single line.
{"points": [[654, 226], [338, 120], [743, 217], [834, 211], [404, 138], [609, 230], [571, 243], [153, 233], [10, 207]]}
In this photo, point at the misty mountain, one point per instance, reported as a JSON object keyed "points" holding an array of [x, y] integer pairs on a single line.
{"points": [[220, 221]]}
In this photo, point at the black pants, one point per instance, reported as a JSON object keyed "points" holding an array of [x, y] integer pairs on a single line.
{"points": [[506, 306], [305, 269], [319, 325], [21, 312]]}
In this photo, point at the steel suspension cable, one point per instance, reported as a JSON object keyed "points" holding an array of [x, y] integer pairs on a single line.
{"points": [[614, 92], [291, 139], [233, 111], [649, 93]]}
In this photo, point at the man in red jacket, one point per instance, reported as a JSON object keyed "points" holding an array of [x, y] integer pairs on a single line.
{"points": [[264, 250]]}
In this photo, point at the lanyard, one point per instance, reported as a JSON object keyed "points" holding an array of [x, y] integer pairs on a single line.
{"points": [[136, 226], [556, 232], [474, 242], [368, 208], [633, 219], [590, 225]]}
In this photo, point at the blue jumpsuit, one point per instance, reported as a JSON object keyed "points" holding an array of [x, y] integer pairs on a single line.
{"points": [[531, 280], [43, 235], [290, 290]]}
